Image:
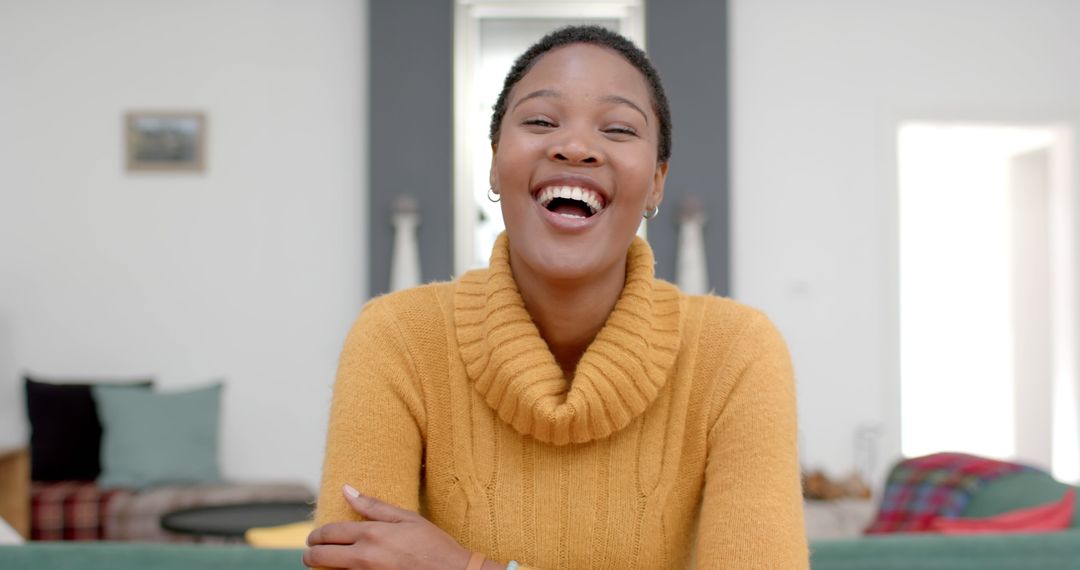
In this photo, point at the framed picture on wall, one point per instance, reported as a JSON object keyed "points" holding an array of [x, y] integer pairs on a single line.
{"points": [[165, 141]]}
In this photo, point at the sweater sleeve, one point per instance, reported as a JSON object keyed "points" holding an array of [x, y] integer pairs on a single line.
{"points": [[752, 513], [375, 437]]}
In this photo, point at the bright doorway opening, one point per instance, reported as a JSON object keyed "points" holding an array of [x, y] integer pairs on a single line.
{"points": [[988, 293]]}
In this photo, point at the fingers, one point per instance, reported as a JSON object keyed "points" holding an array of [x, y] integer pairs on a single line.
{"points": [[374, 509], [347, 545], [335, 533], [331, 556]]}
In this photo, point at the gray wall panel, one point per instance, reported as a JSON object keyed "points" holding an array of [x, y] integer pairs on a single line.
{"points": [[687, 41], [411, 139]]}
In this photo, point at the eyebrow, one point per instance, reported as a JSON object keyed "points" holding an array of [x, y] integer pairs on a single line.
{"points": [[617, 99]]}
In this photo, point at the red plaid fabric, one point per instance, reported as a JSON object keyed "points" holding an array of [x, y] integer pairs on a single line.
{"points": [[70, 510], [921, 489]]}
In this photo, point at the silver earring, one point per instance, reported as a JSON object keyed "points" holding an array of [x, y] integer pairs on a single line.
{"points": [[652, 213], [493, 195]]}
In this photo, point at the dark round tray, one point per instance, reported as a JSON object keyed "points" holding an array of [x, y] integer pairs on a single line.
{"points": [[234, 520]]}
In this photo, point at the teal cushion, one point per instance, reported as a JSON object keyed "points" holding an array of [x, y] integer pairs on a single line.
{"points": [[151, 438], [1016, 491]]}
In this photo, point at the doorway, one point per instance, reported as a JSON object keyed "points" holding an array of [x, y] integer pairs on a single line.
{"points": [[988, 311]]}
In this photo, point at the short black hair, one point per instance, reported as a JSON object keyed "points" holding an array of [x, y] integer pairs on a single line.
{"points": [[595, 35]]}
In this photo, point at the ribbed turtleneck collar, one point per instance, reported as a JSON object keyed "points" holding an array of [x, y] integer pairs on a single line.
{"points": [[620, 374]]}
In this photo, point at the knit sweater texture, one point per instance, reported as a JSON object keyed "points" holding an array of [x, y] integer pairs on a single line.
{"points": [[673, 446]]}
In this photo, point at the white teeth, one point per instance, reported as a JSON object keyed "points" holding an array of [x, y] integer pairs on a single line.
{"points": [[592, 201], [586, 195]]}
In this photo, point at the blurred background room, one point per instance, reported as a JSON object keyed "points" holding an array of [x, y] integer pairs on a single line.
{"points": [[202, 195]]}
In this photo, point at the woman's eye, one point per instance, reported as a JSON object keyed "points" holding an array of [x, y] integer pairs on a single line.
{"points": [[538, 122], [620, 130]]}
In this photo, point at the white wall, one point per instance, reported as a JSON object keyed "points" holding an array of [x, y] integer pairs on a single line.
{"points": [[251, 272], [818, 91]]}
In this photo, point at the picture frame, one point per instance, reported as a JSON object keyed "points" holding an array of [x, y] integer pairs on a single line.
{"points": [[165, 141]]}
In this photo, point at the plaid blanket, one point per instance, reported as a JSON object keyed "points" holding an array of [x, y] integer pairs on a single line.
{"points": [[70, 510], [923, 488]]}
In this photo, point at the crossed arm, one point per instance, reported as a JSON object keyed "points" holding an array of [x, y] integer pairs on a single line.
{"points": [[375, 444]]}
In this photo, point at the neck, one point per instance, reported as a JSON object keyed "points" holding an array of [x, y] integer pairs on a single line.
{"points": [[569, 313]]}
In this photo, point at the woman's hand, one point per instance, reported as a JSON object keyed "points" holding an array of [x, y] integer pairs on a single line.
{"points": [[390, 538]]}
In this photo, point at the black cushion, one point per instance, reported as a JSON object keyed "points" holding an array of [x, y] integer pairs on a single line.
{"points": [[65, 432]]}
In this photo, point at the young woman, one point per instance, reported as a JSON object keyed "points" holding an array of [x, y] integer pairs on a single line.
{"points": [[564, 408]]}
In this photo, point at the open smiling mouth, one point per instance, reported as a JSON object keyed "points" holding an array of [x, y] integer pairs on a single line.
{"points": [[571, 201]]}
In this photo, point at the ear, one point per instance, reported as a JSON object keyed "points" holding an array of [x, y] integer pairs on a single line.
{"points": [[659, 177], [493, 177]]}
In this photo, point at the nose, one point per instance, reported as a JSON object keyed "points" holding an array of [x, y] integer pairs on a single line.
{"points": [[575, 149]]}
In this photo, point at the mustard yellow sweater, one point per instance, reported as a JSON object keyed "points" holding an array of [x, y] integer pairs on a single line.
{"points": [[674, 446]]}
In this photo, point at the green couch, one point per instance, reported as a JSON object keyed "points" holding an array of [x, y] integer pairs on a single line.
{"points": [[143, 556], [1048, 551], [1057, 551]]}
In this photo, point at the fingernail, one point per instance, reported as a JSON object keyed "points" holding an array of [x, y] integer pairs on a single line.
{"points": [[350, 491]]}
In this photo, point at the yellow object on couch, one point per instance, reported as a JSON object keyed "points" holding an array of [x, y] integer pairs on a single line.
{"points": [[293, 535]]}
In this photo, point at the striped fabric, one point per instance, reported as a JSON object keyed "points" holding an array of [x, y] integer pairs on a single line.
{"points": [[70, 510], [921, 489], [80, 510]]}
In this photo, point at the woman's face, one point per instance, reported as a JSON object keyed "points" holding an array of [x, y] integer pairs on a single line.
{"points": [[575, 163]]}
